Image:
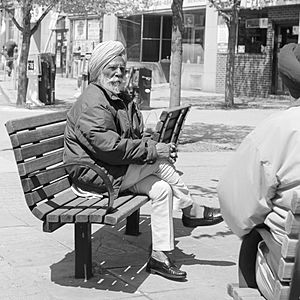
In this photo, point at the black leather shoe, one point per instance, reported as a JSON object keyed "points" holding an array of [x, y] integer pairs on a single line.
{"points": [[211, 216], [166, 269]]}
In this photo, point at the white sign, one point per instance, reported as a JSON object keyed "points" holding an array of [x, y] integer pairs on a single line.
{"points": [[222, 34], [94, 29], [79, 30], [263, 3]]}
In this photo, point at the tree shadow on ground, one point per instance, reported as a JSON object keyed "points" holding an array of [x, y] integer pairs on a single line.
{"points": [[119, 260], [225, 135]]}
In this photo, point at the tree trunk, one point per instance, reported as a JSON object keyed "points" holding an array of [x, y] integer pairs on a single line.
{"points": [[176, 53], [232, 37], [26, 34]]}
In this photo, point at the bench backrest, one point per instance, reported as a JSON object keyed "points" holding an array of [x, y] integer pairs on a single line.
{"points": [[289, 267], [38, 144], [285, 258], [170, 124]]}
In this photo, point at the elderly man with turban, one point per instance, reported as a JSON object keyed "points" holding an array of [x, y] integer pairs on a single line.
{"points": [[259, 184], [105, 127]]}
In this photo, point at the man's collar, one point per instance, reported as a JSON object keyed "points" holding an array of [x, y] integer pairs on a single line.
{"points": [[109, 93]]}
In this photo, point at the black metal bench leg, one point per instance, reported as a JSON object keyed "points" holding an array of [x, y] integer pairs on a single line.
{"points": [[83, 251], [133, 223]]}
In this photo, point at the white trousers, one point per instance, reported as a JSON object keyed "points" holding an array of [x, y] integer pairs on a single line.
{"points": [[166, 190]]}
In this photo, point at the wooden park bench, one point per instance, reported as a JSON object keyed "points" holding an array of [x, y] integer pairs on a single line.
{"points": [[286, 262], [38, 148]]}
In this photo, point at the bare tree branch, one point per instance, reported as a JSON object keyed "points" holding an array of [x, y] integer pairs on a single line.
{"points": [[220, 10], [11, 15], [38, 22]]}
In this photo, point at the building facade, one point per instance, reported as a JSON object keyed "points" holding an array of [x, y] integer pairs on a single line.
{"points": [[148, 41], [147, 37], [261, 34]]}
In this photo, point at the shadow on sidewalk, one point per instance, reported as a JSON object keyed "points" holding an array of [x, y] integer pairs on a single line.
{"points": [[226, 136], [119, 260]]}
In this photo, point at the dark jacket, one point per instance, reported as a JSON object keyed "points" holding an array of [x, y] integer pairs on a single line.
{"points": [[107, 130]]}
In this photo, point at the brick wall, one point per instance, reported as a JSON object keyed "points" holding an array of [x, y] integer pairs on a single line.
{"points": [[284, 13], [253, 72], [221, 72], [252, 75]]}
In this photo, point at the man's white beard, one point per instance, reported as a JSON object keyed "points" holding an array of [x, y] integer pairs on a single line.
{"points": [[114, 85]]}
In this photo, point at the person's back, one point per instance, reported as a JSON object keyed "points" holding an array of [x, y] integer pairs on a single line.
{"points": [[262, 179], [263, 175]]}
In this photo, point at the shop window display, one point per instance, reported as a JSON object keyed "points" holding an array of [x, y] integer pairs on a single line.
{"points": [[193, 38], [251, 40]]}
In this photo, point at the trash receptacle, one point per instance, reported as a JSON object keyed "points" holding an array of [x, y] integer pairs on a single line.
{"points": [[141, 86], [145, 78], [47, 78]]}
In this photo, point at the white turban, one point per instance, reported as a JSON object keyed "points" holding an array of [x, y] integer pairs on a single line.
{"points": [[102, 55]]}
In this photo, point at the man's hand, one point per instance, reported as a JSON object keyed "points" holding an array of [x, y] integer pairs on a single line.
{"points": [[168, 151]]}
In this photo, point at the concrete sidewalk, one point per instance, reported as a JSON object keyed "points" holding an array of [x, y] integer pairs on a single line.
{"points": [[35, 265]]}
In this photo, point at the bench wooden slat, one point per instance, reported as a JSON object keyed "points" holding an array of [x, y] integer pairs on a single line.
{"points": [[50, 227], [84, 215], [281, 291], [288, 249], [80, 203], [40, 163], [98, 215], [285, 270], [168, 134], [41, 210], [54, 216], [37, 135], [47, 191], [30, 183], [126, 210], [39, 149], [61, 214], [292, 224], [35, 121], [91, 206], [69, 215], [238, 293], [170, 113]]}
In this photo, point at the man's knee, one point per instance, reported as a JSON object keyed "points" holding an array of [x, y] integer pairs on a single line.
{"points": [[161, 190]]}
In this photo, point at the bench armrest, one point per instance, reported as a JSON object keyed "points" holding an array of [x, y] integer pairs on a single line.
{"points": [[98, 170]]}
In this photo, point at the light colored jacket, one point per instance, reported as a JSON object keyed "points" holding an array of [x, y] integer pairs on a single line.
{"points": [[260, 182]]}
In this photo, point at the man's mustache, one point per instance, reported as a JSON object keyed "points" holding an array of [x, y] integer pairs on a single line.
{"points": [[115, 80]]}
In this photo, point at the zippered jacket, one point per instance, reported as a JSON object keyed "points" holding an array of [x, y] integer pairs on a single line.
{"points": [[107, 130]]}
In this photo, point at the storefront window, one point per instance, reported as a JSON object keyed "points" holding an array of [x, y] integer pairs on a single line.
{"points": [[252, 36], [130, 31], [193, 38], [155, 39], [87, 34]]}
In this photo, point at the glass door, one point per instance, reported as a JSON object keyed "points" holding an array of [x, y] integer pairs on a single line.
{"points": [[284, 34]]}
